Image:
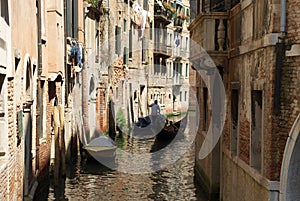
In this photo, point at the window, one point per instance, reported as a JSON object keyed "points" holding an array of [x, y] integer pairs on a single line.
{"points": [[122, 91], [163, 67], [181, 41], [234, 120], [130, 88], [187, 14], [195, 7], [124, 25], [180, 70], [217, 5], [256, 129], [187, 43], [185, 96], [187, 70], [162, 95], [130, 43], [170, 69], [97, 47], [145, 4], [117, 40], [180, 96], [28, 86], [156, 66], [4, 10], [125, 56], [151, 31]]}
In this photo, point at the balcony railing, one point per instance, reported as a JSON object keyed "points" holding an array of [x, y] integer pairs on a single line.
{"points": [[162, 48], [162, 14], [212, 35]]}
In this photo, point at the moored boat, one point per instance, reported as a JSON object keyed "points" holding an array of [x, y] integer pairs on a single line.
{"points": [[101, 147]]}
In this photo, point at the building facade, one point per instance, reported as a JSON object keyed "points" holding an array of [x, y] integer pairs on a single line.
{"points": [[254, 45], [36, 123]]}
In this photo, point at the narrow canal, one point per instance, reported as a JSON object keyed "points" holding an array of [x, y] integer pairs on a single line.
{"points": [[89, 180]]}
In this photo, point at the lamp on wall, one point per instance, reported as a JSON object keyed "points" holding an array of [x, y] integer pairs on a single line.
{"points": [[17, 54]]}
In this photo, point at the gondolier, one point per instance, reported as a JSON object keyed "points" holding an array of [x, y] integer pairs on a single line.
{"points": [[155, 111]]}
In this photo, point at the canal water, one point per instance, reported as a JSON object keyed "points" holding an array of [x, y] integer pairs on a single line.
{"points": [[89, 180]]}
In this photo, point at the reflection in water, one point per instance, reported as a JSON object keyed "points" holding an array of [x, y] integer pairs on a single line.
{"points": [[89, 180]]}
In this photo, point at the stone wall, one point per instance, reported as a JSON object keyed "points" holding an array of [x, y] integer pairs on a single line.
{"points": [[241, 183]]}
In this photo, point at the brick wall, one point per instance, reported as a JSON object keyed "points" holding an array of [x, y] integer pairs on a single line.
{"points": [[101, 109], [44, 148], [293, 24], [11, 171], [254, 68], [290, 90], [289, 110]]}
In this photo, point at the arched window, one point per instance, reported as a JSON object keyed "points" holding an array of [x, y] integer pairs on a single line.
{"points": [[28, 82], [4, 10]]}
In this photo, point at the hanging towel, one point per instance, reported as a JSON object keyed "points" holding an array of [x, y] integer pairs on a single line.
{"points": [[177, 41], [79, 55], [144, 19]]}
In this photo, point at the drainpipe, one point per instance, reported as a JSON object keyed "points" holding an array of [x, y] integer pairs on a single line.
{"points": [[65, 55], [39, 89], [283, 17], [280, 57]]}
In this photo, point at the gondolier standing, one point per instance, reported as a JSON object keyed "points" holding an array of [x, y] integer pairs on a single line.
{"points": [[155, 111]]}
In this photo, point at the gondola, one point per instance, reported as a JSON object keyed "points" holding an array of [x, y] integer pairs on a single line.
{"points": [[171, 129], [161, 129], [146, 128]]}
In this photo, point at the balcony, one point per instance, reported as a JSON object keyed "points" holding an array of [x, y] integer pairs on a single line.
{"points": [[161, 14], [179, 20], [210, 32], [162, 49]]}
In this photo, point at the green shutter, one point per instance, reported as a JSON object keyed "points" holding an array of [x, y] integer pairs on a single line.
{"points": [[124, 25]]}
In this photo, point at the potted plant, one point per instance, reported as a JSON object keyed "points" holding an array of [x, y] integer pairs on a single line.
{"points": [[168, 7], [182, 16]]}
